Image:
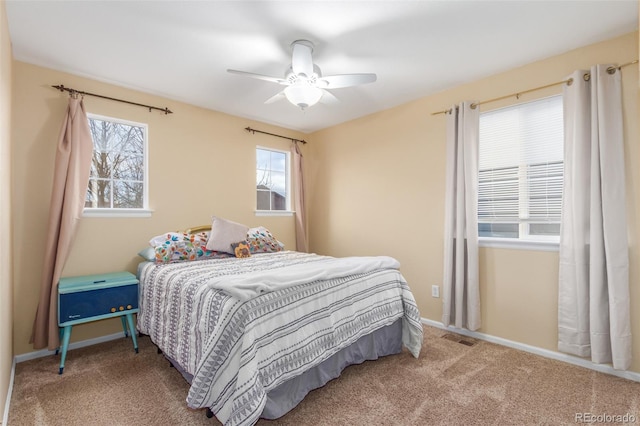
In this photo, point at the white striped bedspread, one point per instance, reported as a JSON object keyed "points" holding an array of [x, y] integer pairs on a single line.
{"points": [[238, 350]]}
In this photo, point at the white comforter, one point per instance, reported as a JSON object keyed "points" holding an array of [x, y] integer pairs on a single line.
{"points": [[245, 286]]}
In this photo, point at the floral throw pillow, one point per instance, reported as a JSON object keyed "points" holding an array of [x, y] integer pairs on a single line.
{"points": [[179, 246], [260, 240], [241, 249]]}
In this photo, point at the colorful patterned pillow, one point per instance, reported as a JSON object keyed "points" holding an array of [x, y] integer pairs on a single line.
{"points": [[260, 240], [241, 249], [179, 246], [175, 236]]}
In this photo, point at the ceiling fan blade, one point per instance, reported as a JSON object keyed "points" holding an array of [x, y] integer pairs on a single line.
{"points": [[328, 98], [275, 98], [347, 80], [301, 60], [259, 76]]}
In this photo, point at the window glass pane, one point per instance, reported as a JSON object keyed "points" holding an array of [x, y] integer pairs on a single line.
{"points": [[263, 159], [118, 169], [544, 229], [278, 201], [263, 179], [279, 183], [127, 195], [278, 161], [498, 230], [263, 201], [100, 165], [99, 193], [127, 166], [272, 179]]}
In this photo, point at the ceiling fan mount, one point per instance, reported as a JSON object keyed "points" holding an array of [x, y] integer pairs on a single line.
{"points": [[305, 84]]}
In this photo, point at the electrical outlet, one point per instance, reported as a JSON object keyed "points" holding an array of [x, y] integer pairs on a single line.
{"points": [[435, 291]]}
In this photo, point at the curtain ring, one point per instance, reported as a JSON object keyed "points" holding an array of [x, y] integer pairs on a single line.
{"points": [[474, 106], [570, 82], [73, 94], [586, 77], [612, 70]]}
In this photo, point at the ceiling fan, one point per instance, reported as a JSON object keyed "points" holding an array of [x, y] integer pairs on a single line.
{"points": [[305, 84]]}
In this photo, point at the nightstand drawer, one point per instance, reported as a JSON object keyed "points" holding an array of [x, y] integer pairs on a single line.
{"points": [[92, 297], [93, 303]]}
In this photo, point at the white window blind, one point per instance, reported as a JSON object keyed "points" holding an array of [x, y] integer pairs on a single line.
{"points": [[521, 170]]}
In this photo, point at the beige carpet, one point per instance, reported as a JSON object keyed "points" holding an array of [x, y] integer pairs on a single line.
{"points": [[451, 383]]}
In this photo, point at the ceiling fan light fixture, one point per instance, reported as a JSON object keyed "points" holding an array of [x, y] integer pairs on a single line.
{"points": [[306, 85], [303, 95]]}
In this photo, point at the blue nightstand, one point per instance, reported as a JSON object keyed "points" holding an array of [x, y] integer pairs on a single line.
{"points": [[95, 297]]}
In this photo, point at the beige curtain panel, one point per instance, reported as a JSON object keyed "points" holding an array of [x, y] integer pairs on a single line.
{"points": [[301, 220], [70, 180], [593, 302], [461, 290]]}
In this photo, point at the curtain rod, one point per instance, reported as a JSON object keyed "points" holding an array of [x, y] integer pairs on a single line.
{"points": [[80, 92], [610, 70], [254, 131]]}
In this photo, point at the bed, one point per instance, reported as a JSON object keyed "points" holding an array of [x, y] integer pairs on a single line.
{"points": [[253, 335]]}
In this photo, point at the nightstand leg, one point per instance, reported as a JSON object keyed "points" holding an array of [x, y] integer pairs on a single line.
{"points": [[124, 326], [60, 332], [132, 329], [65, 345]]}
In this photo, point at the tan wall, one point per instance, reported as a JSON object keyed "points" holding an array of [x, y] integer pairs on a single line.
{"points": [[201, 163], [6, 320], [376, 186]]}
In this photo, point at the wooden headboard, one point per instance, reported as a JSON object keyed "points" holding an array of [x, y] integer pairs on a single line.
{"points": [[197, 229]]}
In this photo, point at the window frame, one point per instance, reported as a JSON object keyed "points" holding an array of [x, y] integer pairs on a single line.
{"points": [[288, 186], [144, 211], [525, 241]]}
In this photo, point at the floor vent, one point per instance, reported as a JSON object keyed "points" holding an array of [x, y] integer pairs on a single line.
{"points": [[467, 341]]}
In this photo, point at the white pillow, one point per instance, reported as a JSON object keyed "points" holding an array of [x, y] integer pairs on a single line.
{"points": [[224, 233], [148, 253]]}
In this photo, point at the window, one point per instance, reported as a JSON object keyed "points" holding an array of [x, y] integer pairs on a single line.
{"points": [[521, 171], [118, 178], [272, 180]]}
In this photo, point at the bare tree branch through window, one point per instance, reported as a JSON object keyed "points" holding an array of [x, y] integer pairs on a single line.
{"points": [[117, 173]]}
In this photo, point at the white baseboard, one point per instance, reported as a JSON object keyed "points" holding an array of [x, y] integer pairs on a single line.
{"points": [[630, 375], [570, 359], [45, 352], [5, 416]]}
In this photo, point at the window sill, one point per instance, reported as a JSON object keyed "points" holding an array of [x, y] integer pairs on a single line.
{"points": [[117, 213], [510, 243], [275, 212]]}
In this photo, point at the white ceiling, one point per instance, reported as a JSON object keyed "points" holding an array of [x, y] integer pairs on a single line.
{"points": [[182, 49]]}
